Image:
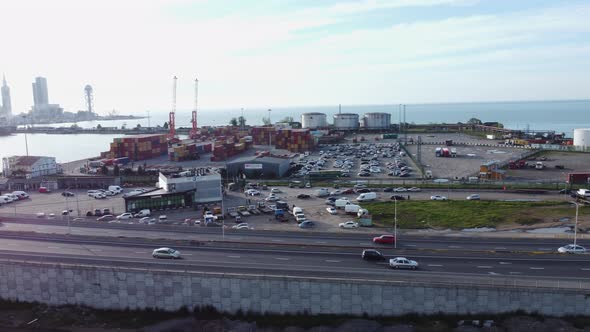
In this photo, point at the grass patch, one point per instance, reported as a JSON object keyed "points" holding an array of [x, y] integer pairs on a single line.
{"points": [[467, 214]]}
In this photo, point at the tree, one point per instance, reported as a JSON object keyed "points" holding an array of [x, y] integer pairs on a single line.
{"points": [[287, 119], [474, 121], [233, 122], [138, 126], [266, 121], [242, 121], [139, 170], [98, 127], [166, 125], [116, 170]]}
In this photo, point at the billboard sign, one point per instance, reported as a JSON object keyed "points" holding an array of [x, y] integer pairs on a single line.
{"points": [[252, 166]]}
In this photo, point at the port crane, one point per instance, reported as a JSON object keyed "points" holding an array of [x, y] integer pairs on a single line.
{"points": [[194, 132], [172, 138]]}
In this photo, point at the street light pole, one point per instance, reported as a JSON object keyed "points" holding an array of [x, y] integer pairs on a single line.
{"points": [[576, 225], [395, 223], [270, 132], [222, 213]]}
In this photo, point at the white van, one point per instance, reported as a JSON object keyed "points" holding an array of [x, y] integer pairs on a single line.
{"points": [[352, 208], [116, 189], [20, 194], [297, 210], [13, 197], [367, 197], [340, 203], [143, 213], [322, 192]]}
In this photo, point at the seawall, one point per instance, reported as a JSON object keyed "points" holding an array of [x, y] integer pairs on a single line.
{"points": [[119, 288]]}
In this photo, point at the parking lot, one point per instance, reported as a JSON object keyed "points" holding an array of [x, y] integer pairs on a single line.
{"points": [[468, 158]]}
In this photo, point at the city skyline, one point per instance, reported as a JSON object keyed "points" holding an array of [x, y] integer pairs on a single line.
{"points": [[298, 53]]}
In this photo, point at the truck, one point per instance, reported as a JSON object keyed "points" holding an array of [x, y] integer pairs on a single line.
{"points": [[428, 174], [340, 203], [364, 197], [322, 192], [282, 205], [438, 152], [279, 214], [446, 152], [449, 142], [453, 152], [352, 208], [583, 193], [578, 178]]}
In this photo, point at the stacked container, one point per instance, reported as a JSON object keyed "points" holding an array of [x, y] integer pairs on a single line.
{"points": [[295, 140], [139, 147], [260, 135]]}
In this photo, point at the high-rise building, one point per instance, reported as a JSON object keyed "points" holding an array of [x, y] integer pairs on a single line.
{"points": [[40, 94], [6, 110]]}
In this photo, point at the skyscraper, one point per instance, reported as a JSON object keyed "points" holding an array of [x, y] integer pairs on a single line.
{"points": [[6, 109], [40, 94]]}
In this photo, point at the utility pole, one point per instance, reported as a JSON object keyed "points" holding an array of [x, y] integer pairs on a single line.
{"points": [[270, 132], [395, 223]]}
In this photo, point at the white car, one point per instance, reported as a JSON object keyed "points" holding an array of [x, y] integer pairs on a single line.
{"points": [[40, 214], [146, 220], [336, 192], [438, 198], [403, 263], [360, 186], [241, 226], [163, 217], [124, 216], [272, 198], [348, 224], [473, 197], [400, 190], [110, 193], [331, 210], [571, 249], [252, 192], [414, 189], [166, 253], [275, 190]]}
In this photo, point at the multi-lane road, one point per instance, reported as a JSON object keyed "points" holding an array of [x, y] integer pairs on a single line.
{"points": [[451, 259]]}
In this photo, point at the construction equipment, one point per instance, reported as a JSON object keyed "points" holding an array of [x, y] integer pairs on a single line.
{"points": [[171, 119], [194, 133]]}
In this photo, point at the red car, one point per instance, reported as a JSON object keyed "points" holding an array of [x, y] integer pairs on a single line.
{"points": [[384, 239], [348, 191], [44, 190]]}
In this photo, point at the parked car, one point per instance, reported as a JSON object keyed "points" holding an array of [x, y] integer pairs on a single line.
{"points": [[384, 239], [331, 210], [67, 194], [363, 191], [44, 190], [473, 197], [241, 226], [400, 190], [107, 217], [146, 220], [414, 189], [372, 255], [166, 253], [124, 216], [303, 196], [307, 224], [275, 191], [348, 224], [438, 198], [388, 190], [20, 195], [252, 192], [397, 197], [106, 211], [571, 249], [143, 213], [98, 212], [163, 217], [403, 263]]}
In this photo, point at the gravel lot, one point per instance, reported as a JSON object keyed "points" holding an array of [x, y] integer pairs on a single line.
{"points": [[573, 162]]}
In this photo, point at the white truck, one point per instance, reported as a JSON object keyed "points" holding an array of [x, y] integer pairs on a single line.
{"points": [[352, 208], [322, 192], [340, 203], [583, 193]]}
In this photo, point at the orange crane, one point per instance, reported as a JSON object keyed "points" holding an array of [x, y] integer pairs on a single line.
{"points": [[171, 119], [194, 133]]}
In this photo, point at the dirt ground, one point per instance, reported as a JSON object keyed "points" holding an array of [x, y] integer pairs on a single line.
{"points": [[572, 162]]}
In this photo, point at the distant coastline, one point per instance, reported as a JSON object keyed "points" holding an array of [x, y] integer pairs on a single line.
{"points": [[99, 118]]}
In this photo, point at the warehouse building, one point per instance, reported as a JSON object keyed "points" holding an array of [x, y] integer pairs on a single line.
{"points": [[253, 167], [183, 190]]}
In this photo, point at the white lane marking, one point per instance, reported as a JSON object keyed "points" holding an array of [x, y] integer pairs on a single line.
{"points": [[96, 250], [434, 265], [140, 252], [233, 256], [282, 258], [11, 244], [484, 267], [545, 249], [499, 248], [187, 254], [275, 240], [494, 273], [409, 245], [455, 247], [53, 248], [536, 268], [505, 263], [585, 269], [363, 243], [515, 272], [321, 242], [332, 261]]}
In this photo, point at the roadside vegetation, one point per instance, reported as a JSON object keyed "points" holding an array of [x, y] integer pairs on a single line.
{"points": [[469, 214]]}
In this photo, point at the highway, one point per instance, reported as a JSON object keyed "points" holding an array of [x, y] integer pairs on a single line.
{"points": [[297, 260]]}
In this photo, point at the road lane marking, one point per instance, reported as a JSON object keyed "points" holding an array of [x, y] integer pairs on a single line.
{"points": [[455, 247], [332, 261], [545, 249], [321, 242], [585, 269], [409, 245], [282, 258], [140, 252], [53, 248], [187, 254], [499, 248], [505, 263], [233, 256], [275, 240], [515, 272], [484, 267], [435, 265], [536, 268], [494, 273]]}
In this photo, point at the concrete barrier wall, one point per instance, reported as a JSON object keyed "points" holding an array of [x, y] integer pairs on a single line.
{"points": [[137, 289]]}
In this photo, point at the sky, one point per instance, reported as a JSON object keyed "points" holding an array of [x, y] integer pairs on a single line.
{"points": [[272, 53]]}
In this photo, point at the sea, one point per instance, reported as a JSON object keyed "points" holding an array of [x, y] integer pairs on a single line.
{"points": [[560, 116]]}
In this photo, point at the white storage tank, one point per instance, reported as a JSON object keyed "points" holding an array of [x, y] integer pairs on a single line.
{"points": [[582, 137], [313, 120], [346, 121], [377, 120]]}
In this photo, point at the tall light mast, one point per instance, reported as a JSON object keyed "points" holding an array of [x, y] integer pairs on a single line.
{"points": [[171, 119], [193, 133]]}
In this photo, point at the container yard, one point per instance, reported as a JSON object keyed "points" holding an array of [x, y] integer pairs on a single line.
{"points": [[139, 147]]}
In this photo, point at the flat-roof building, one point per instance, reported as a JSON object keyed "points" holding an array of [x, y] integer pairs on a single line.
{"points": [[259, 167]]}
